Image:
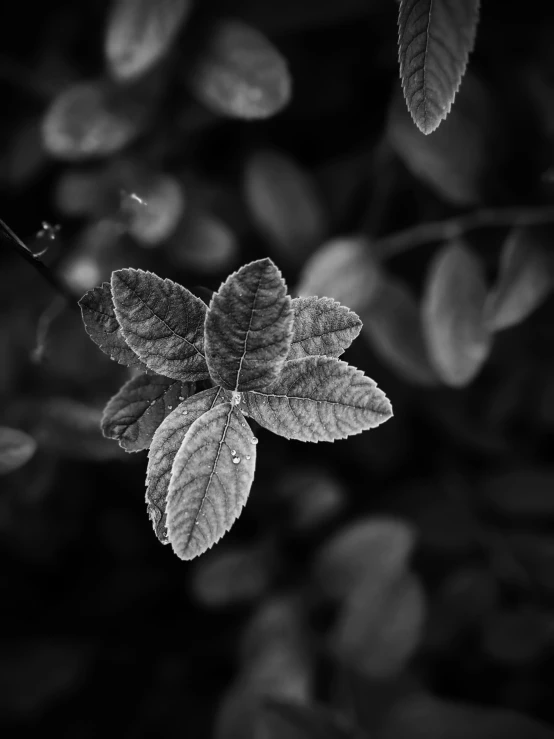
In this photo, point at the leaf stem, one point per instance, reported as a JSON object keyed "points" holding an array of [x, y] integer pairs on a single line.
{"points": [[23, 250], [424, 233]]}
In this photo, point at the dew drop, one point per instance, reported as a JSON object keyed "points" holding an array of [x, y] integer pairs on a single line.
{"points": [[185, 413], [236, 460], [233, 453], [247, 456], [170, 407], [253, 440], [235, 398]]}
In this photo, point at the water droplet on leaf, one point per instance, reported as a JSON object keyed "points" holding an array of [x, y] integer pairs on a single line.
{"points": [[253, 440], [236, 460]]}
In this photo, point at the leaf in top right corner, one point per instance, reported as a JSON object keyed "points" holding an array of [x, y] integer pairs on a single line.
{"points": [[457, 338], [524, 281], [435, 38]]}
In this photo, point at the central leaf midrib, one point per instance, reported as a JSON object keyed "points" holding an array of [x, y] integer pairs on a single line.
{"points": [[237, 381], [314, 400]]}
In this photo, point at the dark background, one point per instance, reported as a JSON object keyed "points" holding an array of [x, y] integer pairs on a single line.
{"points": [[107, 632]]}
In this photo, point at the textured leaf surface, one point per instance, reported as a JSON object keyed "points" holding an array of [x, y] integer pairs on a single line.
{"points": [[16, 449], [435, 38], [162, 322], [210, 480], [103, 327], [523, 282], [322, 327], [165, 445], [319, 399], [452, 314], [249, 328], [140, 32], [241, 74], [135, 412]]}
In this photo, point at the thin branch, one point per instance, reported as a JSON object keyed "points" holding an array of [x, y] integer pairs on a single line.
{"points": [[23, 250], [451, 228]]}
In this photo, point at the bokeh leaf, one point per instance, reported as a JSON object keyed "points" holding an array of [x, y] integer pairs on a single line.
{"points": [[435, 38], [16, 449], [249, 327], [162, 322], [288, 720], [140, 33], [165, 445], [523, 282], [452, 313], [241, 74], [103, 327], [322, 327], [135, 412], [210, 480], [319, 399]]}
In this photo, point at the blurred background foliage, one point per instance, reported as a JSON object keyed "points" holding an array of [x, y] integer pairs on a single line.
{"points": [[395, 585]]}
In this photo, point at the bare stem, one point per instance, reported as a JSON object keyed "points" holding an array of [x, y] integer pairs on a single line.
{"points": [[451, 228]]}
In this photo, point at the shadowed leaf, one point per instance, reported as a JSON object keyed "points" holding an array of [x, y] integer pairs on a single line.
{"points": [[322, 327], [319, 399], [135, 412], [249, 328], [162, 322], [210, 480], [16, 449]]}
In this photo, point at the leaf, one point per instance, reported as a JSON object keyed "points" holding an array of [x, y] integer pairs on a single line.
{"points": [[135, 412], [319, 399], [342, 269], [103, 328], [165, 445], [154, 218], [523, 282], [249, 328], [288, 720], [435, 38], [90, 120], [208, 244], [392, 324], [452, 313], [284, 205], [162, 322], [381, 625], [210, 480], [16, 449], [322, 327], [140, 32], [240, 74], [230, 577]]}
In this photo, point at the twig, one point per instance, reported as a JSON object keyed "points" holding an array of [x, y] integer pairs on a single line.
{"points": [[425, 233], [23, 250]]}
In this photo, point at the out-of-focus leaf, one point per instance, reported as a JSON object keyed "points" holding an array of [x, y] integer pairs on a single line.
{"points": [[103, 327], [90, 120], [165, 444], [210, 480], [284, 205], [240, 74], [135, 412], [314, 494], [452, 314], [435, 38], [140, 33], [322, 327], [249, 328], [225, 578], [518, 637], [78, 192], [342, 269], [392, 323], [381, 624], [522, 493], [425, 717], [378, 547], [162, 322], [16, 449], [523, 282], [286, 720], [155, 210], [207, 244], [319, 399]]}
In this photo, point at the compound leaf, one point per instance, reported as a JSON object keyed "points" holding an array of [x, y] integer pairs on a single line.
{"points": [[452, 315], [140, 32], [322, 327], [523, 282], [249, 328], [162, 322], [135, 412], [16, 449], [435, 38], [241, 74], [210, 480], [103, 327], [165, 445], [319, 399]]}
